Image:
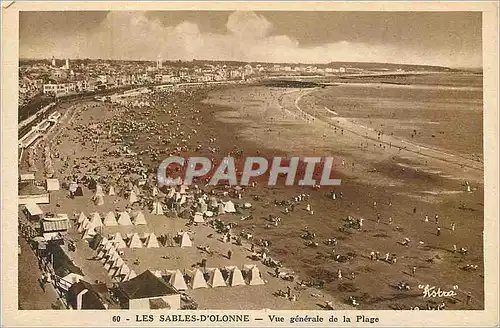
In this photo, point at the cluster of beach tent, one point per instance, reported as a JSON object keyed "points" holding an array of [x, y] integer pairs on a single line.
{"points": [[134, 241], [204, 206], [213, 277], [108, 255], [149, 240], [98, 196], [88, 227]]}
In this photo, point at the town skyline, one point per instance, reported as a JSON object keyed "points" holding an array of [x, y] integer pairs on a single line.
{"points": [[201, 60]]}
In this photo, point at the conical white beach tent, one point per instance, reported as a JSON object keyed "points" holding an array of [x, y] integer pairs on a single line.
{"points": [[203, 207], [103, 243], [140, 219], [135, 241], [110, 220], [99, 200], [216, 279], [157, 208], [130, 275], [184, 189], [171, 192], [132, 198], [229, 207], [98, 191], [111, 191], [198, 280], [83, 225], [118, 241], [177, 280], [213, 202], [123, 272], [81, 218], [95, 221], [124, 219], [254, 277], [101, 253], [236, 277], [186, 241], [115, 266], [111, 261], [220, 209], [118, 263], [152, 241], [89, 232], [108, 252]]}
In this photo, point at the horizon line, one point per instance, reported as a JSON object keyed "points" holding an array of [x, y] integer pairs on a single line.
{"points": [[259, 62]]}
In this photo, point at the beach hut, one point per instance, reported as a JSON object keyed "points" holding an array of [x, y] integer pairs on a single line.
{"points": [[122, 273]]}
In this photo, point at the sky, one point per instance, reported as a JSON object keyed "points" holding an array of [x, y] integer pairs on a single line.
{"points": [[451, 39]]}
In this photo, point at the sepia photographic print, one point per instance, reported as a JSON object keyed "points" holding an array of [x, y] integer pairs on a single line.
{"points": [[218, 164]]}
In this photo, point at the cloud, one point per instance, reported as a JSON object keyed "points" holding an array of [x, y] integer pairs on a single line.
{"points": [[249, 37]]}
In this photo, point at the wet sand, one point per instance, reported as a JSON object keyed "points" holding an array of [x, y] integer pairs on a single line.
{"points": [[268, 117]]}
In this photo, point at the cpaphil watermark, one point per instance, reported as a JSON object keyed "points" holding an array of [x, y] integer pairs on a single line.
{"points": [[302, 171]]}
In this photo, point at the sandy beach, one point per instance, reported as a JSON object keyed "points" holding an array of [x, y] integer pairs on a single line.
{"points": [[391, 189]]}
